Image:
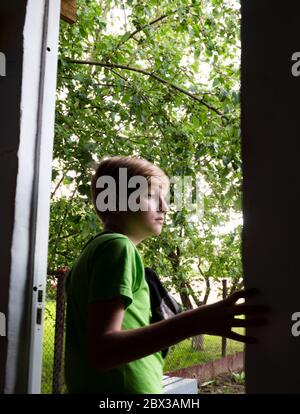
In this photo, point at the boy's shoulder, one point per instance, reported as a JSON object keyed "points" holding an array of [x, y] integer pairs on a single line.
{"points": [[105, 246], [108, 246], [111, 239]]}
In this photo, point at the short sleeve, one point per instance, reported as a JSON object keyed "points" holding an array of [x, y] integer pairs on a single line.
{"points": [[113, 271]]}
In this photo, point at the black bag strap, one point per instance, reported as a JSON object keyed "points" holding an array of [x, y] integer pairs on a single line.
{"points": [[163, 305], [158, 292]]}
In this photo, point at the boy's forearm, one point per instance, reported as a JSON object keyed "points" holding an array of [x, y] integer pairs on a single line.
{"points": [[124, 346]]}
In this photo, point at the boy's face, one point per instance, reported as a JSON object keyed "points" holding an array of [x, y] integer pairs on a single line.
{"points": [[148, 221], [156, 207]]}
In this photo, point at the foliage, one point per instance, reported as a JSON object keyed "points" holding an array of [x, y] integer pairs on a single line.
{"points": [[166, 87], [239, 377]]}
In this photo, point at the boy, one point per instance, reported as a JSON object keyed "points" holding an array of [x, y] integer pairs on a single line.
{"points": [[110, 345]]}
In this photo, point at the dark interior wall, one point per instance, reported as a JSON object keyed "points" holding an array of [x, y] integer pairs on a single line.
{"points": [[271, 150], [12, 16]]}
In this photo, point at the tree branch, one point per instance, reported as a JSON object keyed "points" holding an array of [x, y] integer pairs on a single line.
{"points": [[66, 236], [151, 105], [207, 282], [192, 293], [151, 75], [158, 19], [124, 10], [152, 22], [56, 188], [207, 290]]}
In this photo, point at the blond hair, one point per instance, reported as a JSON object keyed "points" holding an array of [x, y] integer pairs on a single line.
{"points": [[136, 166]]}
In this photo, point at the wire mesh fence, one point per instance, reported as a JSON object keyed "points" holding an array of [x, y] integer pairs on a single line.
{"points": [[48, 347], [53, 341], [188, 353]]}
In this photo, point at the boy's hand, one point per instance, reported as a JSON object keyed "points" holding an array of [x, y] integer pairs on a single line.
{"points": [[219, 318]]}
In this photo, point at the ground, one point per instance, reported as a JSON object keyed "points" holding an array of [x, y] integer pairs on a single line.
{"points": [[229, 383]]}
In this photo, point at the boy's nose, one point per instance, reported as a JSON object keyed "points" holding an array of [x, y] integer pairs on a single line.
{"points": [[163, 206]]}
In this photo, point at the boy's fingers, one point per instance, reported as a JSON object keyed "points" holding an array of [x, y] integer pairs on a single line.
{"points": [[241, 338], [244, 323], [246, 293], [248, 309]]}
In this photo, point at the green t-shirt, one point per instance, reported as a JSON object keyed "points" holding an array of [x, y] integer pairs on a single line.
{"points": [[109, 266]]}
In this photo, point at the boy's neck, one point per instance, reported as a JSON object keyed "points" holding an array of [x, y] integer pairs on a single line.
{"points": [[116, 229]]}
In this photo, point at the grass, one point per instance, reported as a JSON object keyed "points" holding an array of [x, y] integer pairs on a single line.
{"points": [[180, 356], [48, 348]]}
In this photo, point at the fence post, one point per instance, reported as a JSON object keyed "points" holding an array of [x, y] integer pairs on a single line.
{"points": [[59, 331], [224, 296]]}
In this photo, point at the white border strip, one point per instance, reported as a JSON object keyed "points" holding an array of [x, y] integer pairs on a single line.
{"points": [[33, 187]]}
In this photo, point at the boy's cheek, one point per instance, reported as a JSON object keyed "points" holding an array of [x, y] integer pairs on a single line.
{"points": [[144, 205]]}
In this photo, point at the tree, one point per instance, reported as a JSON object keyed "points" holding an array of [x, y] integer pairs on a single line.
{"points": [[158, 79]]}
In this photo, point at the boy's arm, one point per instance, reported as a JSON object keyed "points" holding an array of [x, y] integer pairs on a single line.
{"points": [[109, 346]]}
